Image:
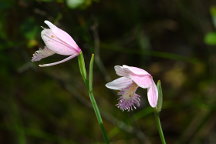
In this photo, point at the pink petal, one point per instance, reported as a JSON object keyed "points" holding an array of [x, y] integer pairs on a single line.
{"points": [[152, 95], [120, 71], [55, 44], [58, 62], [142, 81], [62, 35], [119, 84], [135, 70]]}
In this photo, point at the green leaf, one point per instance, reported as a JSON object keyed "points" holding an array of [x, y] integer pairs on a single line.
{"points": [[82, 67], [91, 72], [160, 97], [210, 38]]}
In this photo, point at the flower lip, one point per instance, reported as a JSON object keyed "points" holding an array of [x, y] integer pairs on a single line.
{"points": [[42, 53], [129, 104]]}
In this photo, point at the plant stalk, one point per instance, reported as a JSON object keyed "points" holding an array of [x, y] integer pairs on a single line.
{"points": [[159, 127], [89, 86]]}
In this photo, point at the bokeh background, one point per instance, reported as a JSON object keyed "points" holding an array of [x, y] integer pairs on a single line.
{"points": [[174, 40]]}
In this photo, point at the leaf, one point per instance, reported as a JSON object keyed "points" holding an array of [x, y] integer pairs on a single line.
{"points": [[160, 97], [82, 67], [91, 72]]}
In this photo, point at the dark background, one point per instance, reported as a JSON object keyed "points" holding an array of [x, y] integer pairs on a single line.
{"points": [[174, 40]]}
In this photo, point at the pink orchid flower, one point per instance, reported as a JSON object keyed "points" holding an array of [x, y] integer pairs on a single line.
{"points": [[56, 41], [132, 78]]}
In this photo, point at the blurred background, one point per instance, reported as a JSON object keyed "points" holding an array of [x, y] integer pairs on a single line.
{"points": [[174, 40]]}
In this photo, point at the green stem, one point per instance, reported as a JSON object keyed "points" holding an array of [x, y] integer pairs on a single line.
{"points": [[89, 86], [160, 130], [99, 118]]}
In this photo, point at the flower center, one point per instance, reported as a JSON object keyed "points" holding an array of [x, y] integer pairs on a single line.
{"points": [[130, 91]]}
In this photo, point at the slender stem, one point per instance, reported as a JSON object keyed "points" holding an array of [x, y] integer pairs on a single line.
{"points": [[160, 130], [99, 118], [89, 86]]}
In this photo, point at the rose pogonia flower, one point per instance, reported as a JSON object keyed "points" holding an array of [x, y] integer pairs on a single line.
{"points": [[132, 78], [56, 41]]}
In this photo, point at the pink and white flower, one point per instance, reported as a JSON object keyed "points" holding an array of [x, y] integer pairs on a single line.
{"points": [[132, 78], [56, 41]]}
